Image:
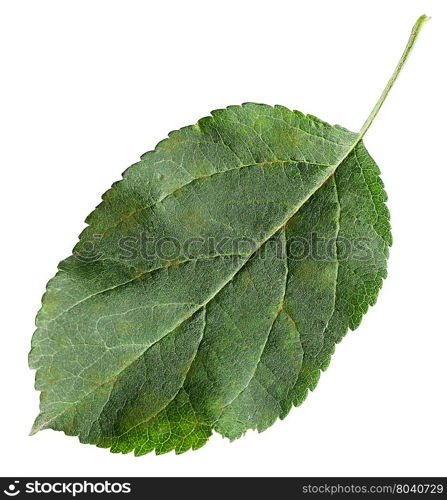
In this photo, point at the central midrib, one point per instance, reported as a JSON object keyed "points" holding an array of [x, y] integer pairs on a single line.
{"points": [[219, 289]]}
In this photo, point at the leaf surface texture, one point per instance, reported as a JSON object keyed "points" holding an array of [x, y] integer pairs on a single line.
{"points": [[153, 353]]}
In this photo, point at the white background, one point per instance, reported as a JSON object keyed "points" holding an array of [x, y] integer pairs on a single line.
{"points": [[87, 86]]}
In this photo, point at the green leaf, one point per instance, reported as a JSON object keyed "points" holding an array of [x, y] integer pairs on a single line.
{"points": [[213, 282]]}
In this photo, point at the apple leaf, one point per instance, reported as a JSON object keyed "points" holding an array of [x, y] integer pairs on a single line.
{"points": [[212, 283]]}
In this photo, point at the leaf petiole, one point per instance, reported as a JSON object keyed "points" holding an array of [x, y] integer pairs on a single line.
{"points": [[410, 44]]}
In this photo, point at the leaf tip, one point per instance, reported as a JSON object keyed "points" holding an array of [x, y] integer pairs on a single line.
{"points": [[34, 430], [38, 425]]}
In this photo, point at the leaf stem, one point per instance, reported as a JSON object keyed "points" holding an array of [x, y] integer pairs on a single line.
{"points": [[411, 41]]}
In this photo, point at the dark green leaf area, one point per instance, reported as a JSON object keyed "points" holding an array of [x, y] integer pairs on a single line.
{"points": [[278, 236]]}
